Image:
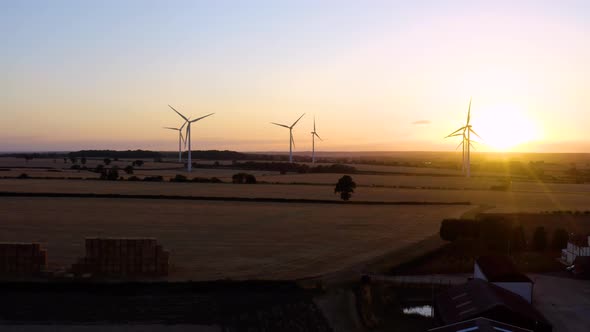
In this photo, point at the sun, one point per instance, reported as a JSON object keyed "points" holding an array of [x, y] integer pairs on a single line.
{"points": [[504, 127]]}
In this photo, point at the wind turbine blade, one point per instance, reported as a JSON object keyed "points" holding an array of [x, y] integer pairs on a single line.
{"points": [[201, 118], [458, 146], [293, 125], [282, 125], [469, 112], [184, 124], [455, 132], [318, 136], [314, 125], [177, 112], [170, 128], [476, 134]]}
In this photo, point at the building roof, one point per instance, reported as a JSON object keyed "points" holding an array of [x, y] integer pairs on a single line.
{"points": [[500, 269], [479, 324], [478, 298]]}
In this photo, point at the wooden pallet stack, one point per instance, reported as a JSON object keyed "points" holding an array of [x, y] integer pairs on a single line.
{"points": [[122, 257], [22, 258]]}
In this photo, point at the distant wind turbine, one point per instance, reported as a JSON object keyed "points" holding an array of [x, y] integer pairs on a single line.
{"points": [[188, 135], [181, 140], [291, 140], [465, 132], [314, 134]]}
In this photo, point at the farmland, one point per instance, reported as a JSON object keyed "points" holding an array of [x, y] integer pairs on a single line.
{"points": [[264, 240], [217, 240]]}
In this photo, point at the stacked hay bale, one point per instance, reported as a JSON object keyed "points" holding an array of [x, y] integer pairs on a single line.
{"points": [[22, 259], [123, 257]]}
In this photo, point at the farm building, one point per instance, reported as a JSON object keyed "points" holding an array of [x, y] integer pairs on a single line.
{"points": [[479, 324], [478, 298], [500, 271], [577, 245]]}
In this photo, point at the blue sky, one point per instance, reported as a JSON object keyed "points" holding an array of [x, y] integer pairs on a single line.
{"points": [[81, 74]]}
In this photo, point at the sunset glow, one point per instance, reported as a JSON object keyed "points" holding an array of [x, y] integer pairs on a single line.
{"points": [[504, 127], [368, 71]]}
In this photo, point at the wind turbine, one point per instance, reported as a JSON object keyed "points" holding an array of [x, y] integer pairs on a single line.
{"points": [[291, 140], [180, 140], [314, 134], [188, 135], [466, 132]]}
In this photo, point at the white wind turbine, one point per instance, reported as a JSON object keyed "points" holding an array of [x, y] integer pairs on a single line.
{"points": [[291, 140], [465, 132], [188, 134], [314, 134], [181, 140]]}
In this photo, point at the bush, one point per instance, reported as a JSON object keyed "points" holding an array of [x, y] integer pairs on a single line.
{"points": [[560, 238], [241, 178], [76, 167], [179, 178], [107, 161], [23, 176], [540, 239], [133, 178], [216, 180], [495, 233], [157, 178]]}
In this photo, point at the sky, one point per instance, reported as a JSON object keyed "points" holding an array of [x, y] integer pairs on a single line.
{"points": [[376, 75]]}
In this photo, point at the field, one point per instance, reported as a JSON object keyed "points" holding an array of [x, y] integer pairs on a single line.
{"points": [[500, 201], [230, 239], [217, 240]]}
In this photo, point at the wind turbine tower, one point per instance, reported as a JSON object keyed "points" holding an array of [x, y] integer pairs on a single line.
{"points": [[188, 135], [180, 140], [314, 134], [291, 140], [465, 132]]}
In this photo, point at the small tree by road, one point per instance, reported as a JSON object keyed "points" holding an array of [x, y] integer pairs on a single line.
{"points": [[107, 161], [345, 187]]}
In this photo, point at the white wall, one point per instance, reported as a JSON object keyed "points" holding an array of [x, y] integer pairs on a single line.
{"points": [[523, 289], [478, 274]]}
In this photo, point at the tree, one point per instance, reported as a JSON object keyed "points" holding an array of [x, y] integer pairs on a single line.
{"points": [[110, 174], [129, 169], [540, 239], [99, 168], [107, 161], [65, 160], [73, 160], [517, 239], [138, 163], [345, 187], [560, 238], [83, 160]]}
